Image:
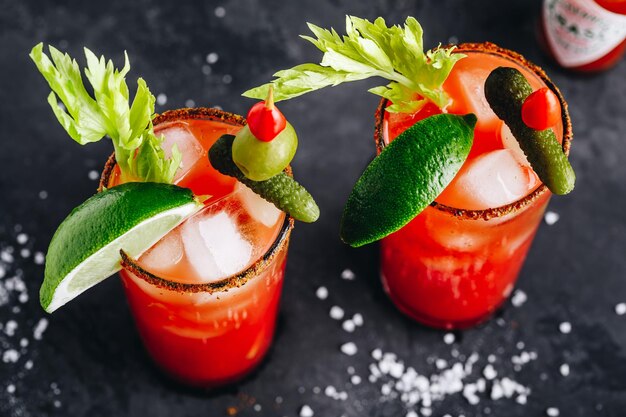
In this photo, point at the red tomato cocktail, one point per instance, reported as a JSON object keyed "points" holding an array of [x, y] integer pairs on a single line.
{"points": [[205, 297], [458, 260]]}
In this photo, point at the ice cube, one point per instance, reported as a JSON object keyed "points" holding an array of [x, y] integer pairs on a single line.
{"points": [[165, 254], [259, 209], [214, 245], [509, 142], [469, 82], [491, 180], [187, 144]]}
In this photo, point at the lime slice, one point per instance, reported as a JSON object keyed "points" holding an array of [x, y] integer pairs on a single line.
{"points": [[406, 177], [86, 247]]}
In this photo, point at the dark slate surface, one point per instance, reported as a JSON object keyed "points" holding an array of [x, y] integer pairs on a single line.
{"points": [[90, 361]]}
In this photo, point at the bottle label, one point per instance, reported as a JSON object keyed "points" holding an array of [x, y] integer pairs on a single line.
{"points": [[580, 31]]}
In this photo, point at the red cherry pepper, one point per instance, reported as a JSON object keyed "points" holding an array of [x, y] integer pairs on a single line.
{"points": [[265, 120], [541, 110]]}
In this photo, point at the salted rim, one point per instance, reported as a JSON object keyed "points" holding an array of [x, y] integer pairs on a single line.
{"points": [[233, 281], [486, 214]]}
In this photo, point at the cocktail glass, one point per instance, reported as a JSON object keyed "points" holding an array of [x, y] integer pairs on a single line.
{"points": [[205, 297], [457, 261]]}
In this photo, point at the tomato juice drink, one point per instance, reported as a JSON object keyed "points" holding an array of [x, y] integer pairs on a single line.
{"points": [[205, 297], [458, 260]]}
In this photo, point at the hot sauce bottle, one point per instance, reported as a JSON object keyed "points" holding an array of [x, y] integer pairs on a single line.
{"points": [[584, 35]]}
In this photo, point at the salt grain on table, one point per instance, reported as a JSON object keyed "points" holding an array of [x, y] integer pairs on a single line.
{"points": [[336, 313], [321, 293], [551, 218], [22, 238], [306, 411], [552, 412], [347, 274], [40, 328], [519, 298], [348, 326], [349, 349]]}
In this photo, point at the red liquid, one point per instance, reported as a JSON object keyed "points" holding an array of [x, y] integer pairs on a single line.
{"points": [[198, 338], [208, 340], [584, 35], [453, 272]]}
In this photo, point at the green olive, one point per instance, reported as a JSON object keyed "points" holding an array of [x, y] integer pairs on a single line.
{"points": [[259, 160]]}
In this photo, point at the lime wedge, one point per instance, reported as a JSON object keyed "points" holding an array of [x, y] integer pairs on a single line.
{"points": [[406, 177], [86, 247]]}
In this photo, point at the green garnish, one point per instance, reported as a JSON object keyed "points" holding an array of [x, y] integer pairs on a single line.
{"points": [[406, 177], [137, 149], [281, 190], [505, 90], [371, 50], [85, 249]]}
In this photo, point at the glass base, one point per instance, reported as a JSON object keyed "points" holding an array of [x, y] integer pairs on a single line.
{"points": [[438, 323]]}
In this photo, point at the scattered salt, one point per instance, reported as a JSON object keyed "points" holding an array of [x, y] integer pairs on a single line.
{"points": [[336, 313], [40, 328], [347, 274], [552, 412], [620, 309], [551, 217], [565, 327], [227, 79], [564, 369], [7, 256], [321, 293], [221, 12], [190, 103], [212, 58], [489, 372], [10, 356], [355, 380], [349, 349], [22, 238], [39, 258], [306, 411], [10, 327], [257, 407], [161, 99], [519, 298], [11, 388], [43, 194], [449, 338], [348, 326], [358, 319]]}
